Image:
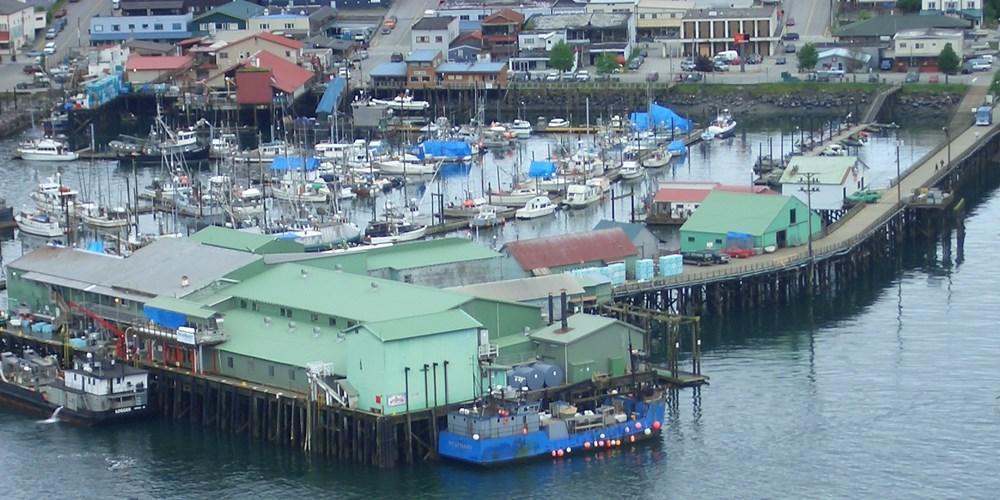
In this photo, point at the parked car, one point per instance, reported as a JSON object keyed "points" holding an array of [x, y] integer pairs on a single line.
{"points": [[754, 59], [690, 77], [568, 76], [721, 66], [51, 34], [912, 77], [791, 36], [790, 22], [790, 48], [60, 13], [386, 31], [390, 22], [553, 76], [652, 76], [635, 63], [704, 258], [32, 53], [602, 77], [967, 68], [779, 60], [43, 84], [359, 55], [688, 66], [980, 65], [31, 69], [396, 57], [50, 48], [583, 76]]}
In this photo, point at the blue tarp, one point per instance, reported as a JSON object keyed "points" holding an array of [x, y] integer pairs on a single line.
{"points": [[659, 117], [447, 149], [331, 97], [677, 147], [168, 319], [95, 246], [283, 163], [541, 168]]}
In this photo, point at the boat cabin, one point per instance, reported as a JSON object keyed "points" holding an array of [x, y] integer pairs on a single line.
{"points": [[105, 378]]}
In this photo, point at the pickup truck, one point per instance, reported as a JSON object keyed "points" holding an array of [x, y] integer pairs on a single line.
{"points": [[704, 258]]}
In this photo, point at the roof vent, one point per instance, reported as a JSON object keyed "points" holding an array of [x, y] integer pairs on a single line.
{"points": [[185, 282], [338, 267], [291, 326], [374, 285], [316, 331], [304, 273], [267, 320]]}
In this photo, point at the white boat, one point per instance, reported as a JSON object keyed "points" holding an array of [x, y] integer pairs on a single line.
{"points": [[723, 125], [102, 218], [539, 206], [346, 193], [397, 167], [308, 191], [54, 197], [630, 170], [333, 151], [403, 103], [516, 197], [38, 224], [247, 203], [834, 150], [658, 159], [558, 123], [707, 135], [602, 183], [582, 195], [486, 217], [464, 210], [393, 231], [45, 150], [521, 128], [554, 184], [266, 153], [224, 145]]}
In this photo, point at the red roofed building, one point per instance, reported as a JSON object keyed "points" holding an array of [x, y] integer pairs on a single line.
{"points": [[282, 76], [500, 31], [571, 251], [153, 69], [673, 205]]}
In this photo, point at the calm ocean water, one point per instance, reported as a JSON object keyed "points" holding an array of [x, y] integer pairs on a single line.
{"points": [[888, 391]]}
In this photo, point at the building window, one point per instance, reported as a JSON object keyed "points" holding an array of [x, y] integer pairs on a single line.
{"points": [[690, 239], [158, 27], [314, 317], [253, 305], [932, 5], [291, 374], [463, 18], [116, 27], [225, 55], [270, 370], [288, 54], [265, 26], [423, 39], [414, 79], [332, 321], [243, 304], [145, 26], [176, 27], [642, 16], [902, 45], [439, 39], [791, 216], [229, 361], [97, 29]]}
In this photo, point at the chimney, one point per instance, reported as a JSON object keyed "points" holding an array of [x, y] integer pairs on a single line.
{"points": [[552, 308], [185, 281], [562, 312]]}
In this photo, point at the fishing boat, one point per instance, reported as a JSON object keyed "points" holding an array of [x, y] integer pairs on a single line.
{"points": [[38, 224], [558, 183], [92, 392], [486, 217], [224, 145], [502, 431], [266, 153], [52, 196], [393, 230], [582, 195], [467, 209], [297, 190], [602, 183], [247, 203], [516, 197], [521, 129], [723, 126], [658, 159], [558, 123], [630, 170], [401, 167], [44, 149], [539, 206], [104, 218], [403, 102]]}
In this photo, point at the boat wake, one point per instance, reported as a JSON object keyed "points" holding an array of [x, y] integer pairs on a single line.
{"points": [[53, 418]]}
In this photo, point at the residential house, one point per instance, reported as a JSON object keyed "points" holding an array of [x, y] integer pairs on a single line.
{"points": [[484, 75], [166, 29], [389, 75], [970, 10], [433, 33], [823, 181], [660, 19], [533, 49], [590, 34], [286, 48], [762, 221], [285, 23], [707, 32], [141, 69], [470, 15], [564, 252], [920, 48], [499, 31], [232, 16], [468, 47], [145, 48], [846, 60], [880, 30], [17, 26], [285, 77], [152, 7], [420, 68]]}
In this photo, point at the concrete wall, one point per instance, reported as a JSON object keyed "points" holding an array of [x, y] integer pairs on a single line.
{"points": [[446, 275]]}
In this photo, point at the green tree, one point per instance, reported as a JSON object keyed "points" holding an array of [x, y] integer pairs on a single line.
{"points": [[808, 57], [561, 57], [948, 60], [908, 5], [606, 63]]}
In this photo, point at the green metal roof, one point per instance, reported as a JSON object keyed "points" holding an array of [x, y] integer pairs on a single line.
{"points": [[345, 295], [238, 9], [508, 341], [249, 335], [827, 169], [185, 307], [233, 239], [428, 253], [580, 326], [722, 212], [419, 326]]}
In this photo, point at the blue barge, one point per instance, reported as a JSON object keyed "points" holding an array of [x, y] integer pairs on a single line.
{"points": [[500, 433]]}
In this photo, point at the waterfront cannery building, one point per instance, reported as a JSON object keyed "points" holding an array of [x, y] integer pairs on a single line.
{"points": [[767, 222], [823, 181]]}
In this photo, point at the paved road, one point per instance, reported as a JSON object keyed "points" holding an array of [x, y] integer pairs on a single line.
{"points": [[812, 18], [382, 46]]}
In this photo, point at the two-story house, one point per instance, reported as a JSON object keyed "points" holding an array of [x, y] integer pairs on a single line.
{"points": [[152, 7], [287, 23], [285, 48], [420, 68], [500, 31], [707, 32], [533, 49], [971, 10], [153, 28], [17, 26], [590, 34], [433, 33], [920, 48], [233, 16]]}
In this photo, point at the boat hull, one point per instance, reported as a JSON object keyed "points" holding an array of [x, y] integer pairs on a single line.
{"points": [[496, 451], [27, 155], [535, 214], [398, 238], [36, 403]]}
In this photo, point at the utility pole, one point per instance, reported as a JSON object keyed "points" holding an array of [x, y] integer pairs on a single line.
{"points": [[947, 138], [899, 194], [809, 178]]}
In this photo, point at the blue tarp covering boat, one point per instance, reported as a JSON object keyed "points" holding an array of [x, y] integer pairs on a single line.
{"points": [[284, 163], [168, 319], [677, 147], [331, 97], [541, 168], [660, 117], [447, 149]]}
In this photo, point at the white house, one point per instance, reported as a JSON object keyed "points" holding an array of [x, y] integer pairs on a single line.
{"points": [[833, 178], [285, 23], [965, 9], [434, 33], [17, 25]]}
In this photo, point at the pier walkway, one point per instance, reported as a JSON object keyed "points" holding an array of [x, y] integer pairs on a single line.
{"points": [[856, 226]]}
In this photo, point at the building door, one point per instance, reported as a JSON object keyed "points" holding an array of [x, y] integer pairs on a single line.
{"points": [[782, 238]]}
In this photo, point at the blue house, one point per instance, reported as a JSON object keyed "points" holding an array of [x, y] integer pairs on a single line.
{"points": [[155, 28]]}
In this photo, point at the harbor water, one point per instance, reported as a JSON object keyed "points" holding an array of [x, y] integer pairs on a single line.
{"points": [[887, 391]]}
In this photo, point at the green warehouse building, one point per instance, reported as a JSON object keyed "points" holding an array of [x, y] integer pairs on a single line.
{"points": [[765, 220], [586, 345]]}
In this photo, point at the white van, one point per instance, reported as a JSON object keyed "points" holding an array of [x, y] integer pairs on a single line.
{"points": [[50, 48], [728, 55]]}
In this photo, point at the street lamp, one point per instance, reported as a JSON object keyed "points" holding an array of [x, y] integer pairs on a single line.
{"points": [[899, 195], [809, 178]]}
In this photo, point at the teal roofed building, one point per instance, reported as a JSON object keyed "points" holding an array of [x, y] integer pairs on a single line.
{"points": [[232, 16], [586, 346], [232, 239], [761, 220]]}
